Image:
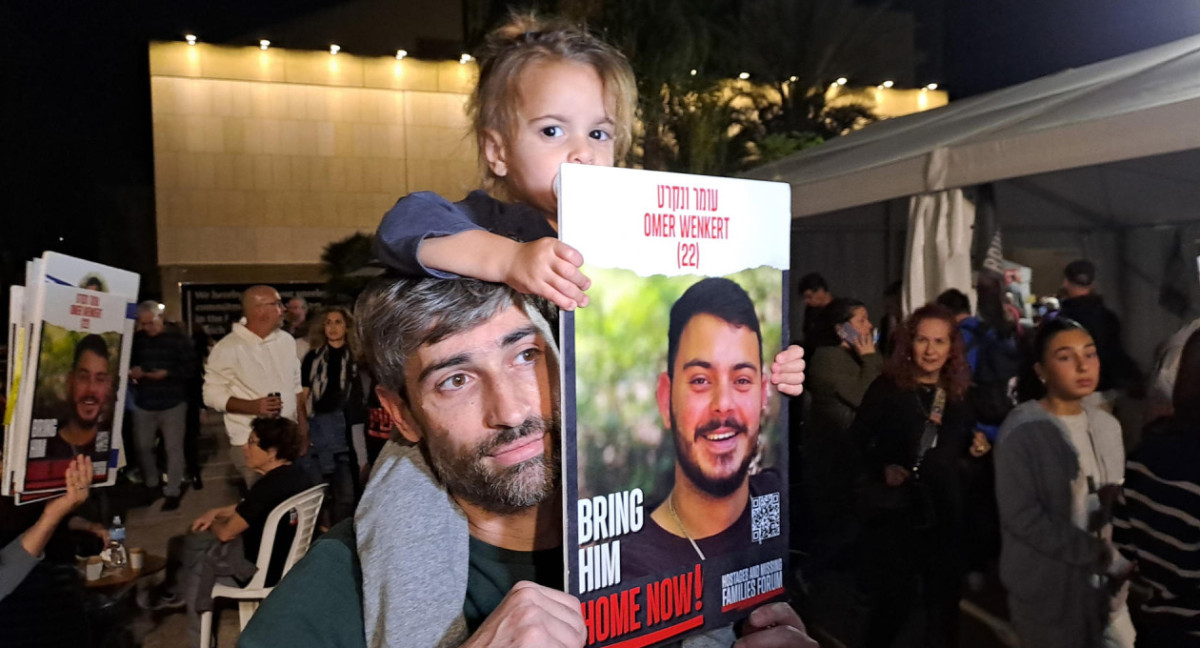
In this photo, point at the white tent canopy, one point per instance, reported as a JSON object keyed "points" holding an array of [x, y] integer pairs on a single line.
{"points": [[1142, 104], [1101, 162]]}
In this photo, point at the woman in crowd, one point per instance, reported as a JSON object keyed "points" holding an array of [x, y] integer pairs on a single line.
{"points": [[1059, 464], [838, 377], [1156, 520], [914, 427], [329, 377]]}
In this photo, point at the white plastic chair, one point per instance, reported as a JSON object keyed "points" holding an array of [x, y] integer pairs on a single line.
{"points": [[307, 505]]}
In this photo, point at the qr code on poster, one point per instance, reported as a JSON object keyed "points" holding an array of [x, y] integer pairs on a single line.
{"points": [[764, 517]]}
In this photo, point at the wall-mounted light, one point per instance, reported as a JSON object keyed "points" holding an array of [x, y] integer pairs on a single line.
{"points": [[693, 71], [190, 38], [264, 44], [400, 54], [841, 81], [793, 78], [465, 58], [744, 75], [931, 86], [888, 84], [334, 49]]}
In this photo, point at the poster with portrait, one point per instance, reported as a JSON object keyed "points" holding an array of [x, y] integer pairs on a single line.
{"points": [[674, 440], [70, 399]]}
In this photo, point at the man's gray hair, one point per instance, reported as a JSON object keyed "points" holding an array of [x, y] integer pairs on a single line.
{"points": [[398, 316], [148, 306]]}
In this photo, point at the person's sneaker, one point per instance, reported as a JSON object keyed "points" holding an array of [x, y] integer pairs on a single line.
{"points": [[170, 601], [171, 503]]}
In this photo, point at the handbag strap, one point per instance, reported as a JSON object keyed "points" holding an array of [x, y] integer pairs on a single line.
{"points": [[932, 424]]}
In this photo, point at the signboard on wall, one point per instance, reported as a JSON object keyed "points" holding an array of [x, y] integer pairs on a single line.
{"points": [[217, 306]]}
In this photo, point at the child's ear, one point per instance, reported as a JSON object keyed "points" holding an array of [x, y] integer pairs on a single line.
{"points": [[495, 153]]}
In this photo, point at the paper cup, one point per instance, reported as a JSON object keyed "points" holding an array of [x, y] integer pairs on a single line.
{"points": [[137, 558], [95, 567]]}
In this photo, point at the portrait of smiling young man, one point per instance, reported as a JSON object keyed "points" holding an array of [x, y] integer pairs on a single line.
{"points": [[713, 398]]}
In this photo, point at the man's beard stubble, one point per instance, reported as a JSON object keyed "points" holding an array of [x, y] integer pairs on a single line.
{"points": [[515, 488], [714, 486]]}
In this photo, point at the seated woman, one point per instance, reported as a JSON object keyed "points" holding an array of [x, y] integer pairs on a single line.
{"points": [[224, 543], [42, 599]]}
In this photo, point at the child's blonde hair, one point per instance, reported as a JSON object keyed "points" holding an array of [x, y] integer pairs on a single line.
{"points": [[527, 39]]}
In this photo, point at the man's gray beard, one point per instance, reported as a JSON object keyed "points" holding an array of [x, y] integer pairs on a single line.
{"points": [[715, 486], [511, 490]]}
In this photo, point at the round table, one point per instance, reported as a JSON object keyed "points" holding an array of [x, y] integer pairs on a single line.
{"points": [[125, 575]]}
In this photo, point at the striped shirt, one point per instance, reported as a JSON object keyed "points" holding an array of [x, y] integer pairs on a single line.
{"points": [[1158, 525]]}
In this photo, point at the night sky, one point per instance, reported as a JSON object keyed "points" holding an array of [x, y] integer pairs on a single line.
{"points": [[77, 135]]}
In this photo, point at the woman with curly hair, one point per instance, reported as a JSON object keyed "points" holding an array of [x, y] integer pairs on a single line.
{"points": [[914, 428]]}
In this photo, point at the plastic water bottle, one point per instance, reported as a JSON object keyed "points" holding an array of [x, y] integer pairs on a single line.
{"points": [[116, 544]]}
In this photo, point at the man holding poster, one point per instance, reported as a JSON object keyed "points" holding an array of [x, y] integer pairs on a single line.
{"points": [[458, 539], [712, 397]]}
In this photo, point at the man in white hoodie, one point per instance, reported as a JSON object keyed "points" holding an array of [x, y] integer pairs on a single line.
{"points": [[254, 371]]}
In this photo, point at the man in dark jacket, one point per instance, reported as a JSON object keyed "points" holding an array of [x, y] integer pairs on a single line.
{"points": [[818, 331], [162, 364], [1117, 370]]}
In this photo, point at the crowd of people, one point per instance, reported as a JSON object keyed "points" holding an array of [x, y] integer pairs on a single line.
{"points": [[953, 444], [976, 446]]}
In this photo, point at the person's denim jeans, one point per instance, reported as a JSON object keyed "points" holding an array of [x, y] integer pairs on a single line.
{"points": [[328, 461]]}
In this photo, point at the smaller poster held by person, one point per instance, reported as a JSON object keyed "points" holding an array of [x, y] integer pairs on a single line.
{"points": [[674, 440], [71, 334]]}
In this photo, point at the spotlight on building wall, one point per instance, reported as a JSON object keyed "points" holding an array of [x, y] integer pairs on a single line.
{"points": [[693, 71], [334, 49], [190, 38], [465, 58], [841, 81], [744, 75], [400, 54], [931, 86], [888, 84], [793, 78], [264, 44]]}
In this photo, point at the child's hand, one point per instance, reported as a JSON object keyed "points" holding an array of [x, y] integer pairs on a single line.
{"points": [[549, 268], [787, 372]]}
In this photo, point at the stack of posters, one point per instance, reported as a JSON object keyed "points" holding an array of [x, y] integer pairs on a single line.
{"points": [[675, 441], [70, 334]]}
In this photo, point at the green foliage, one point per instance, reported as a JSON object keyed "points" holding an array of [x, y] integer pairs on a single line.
{"points": [[346, 264], [621, 348], [780, 145]]}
